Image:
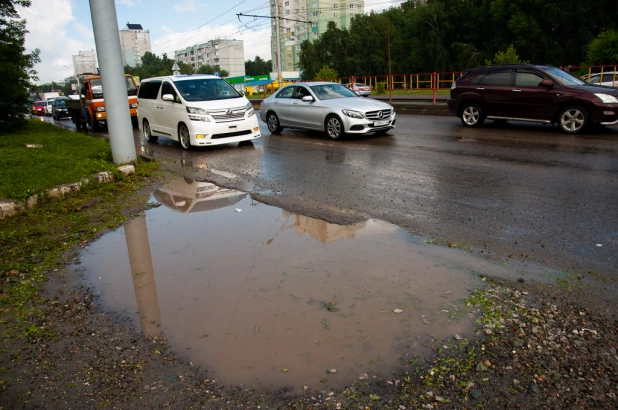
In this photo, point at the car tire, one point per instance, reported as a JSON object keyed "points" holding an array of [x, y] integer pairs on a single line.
{"points": [[472, 115], [334, 127], [573, 119], [147, 132], [184, 137], [273, 123]]}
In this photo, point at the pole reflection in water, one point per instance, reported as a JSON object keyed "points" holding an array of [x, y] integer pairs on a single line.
{"points": [[142, 272]]}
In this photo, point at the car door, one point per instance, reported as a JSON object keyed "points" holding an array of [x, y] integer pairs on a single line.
{"points": [[283, 105], [167, 111], [306, 114], [531, 99], [147, 102], [496, 92]]}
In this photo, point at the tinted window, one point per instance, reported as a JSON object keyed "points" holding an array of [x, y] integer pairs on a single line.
{"points": [[497, 77], [301, 92], [61, 102], [528, 80], [609, 77], [149, 90], [205, 89], [168, 89], [285, 93]]}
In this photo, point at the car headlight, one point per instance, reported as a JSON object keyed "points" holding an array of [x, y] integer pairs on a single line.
{"points": [[248, 106], [100, 109], [134, 105], [607, 99], [250, 112], [193, 110], [353, 114]]}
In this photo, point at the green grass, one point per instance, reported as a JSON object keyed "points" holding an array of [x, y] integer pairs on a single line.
{"points": [[65, 157]]}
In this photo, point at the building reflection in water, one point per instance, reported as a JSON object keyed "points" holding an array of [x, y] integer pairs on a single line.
{"points": [[322, 230], [142, 272]]}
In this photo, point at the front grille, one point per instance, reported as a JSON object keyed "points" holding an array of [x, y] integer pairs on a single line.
{"points": [[375, 115], [230, 134], [223, 116]]}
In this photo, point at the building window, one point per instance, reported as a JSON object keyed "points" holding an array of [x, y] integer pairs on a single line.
{"points": [[314, 5], [287, 29], [315, 14], [287, 12], [315, 34], [335, 15], [287, 3], [358, 6], [351, 6], [335, 6]]}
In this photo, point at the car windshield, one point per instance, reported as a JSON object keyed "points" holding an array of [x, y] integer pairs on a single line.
{"points": [[97, 87], [563, 77], [61, 103], [40, 103], [206, 89], [331, 91]]}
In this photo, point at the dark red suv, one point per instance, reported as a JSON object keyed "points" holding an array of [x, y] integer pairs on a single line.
{"points": [[536, 93]]}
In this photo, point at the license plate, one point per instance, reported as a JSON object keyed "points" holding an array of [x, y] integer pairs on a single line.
{"points": [[378, 123]]}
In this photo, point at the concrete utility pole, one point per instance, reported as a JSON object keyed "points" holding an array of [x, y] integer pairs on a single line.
{"points": [[107, 40], [278, 34]]}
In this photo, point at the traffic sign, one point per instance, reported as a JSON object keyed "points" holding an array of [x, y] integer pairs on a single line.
{"points": [[218, 74], [176, 68]]}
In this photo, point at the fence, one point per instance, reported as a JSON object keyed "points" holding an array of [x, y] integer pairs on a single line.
{"points": [[601, 74]]}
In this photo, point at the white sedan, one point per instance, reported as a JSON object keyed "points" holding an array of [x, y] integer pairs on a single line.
{"points": [[326, 106], [361, 89]]}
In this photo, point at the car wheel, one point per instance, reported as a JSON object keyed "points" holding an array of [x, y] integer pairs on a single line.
{"points": [[472, 115], [334, 127], [273, 123], [147, 133], [184, 136], [573, 119]]}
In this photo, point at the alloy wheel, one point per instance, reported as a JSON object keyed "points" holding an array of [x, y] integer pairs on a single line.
{"points": [[333, 127], [273, 123], [573, 120], [471, 115], [185, 140]]}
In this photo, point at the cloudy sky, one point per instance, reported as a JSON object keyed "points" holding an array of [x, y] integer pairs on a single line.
{"points": [[60, 28]]}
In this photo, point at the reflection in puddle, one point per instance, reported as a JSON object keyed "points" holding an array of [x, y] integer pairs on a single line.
{"points": [[268, 298]]}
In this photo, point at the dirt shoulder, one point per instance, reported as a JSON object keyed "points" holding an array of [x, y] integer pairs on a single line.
{"points": [[536, 346]]}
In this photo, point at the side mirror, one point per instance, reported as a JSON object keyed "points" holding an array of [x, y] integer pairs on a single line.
{"points": [[547, 83], [168, 97], [307, 98]]}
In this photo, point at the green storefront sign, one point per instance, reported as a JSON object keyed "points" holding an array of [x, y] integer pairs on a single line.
{"points": [[245, 79]]}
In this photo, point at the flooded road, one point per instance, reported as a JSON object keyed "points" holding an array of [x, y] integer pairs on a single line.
{"points": [[269, 298]]}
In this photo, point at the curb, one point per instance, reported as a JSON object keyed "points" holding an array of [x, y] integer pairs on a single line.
{"points": [[9, 208]]}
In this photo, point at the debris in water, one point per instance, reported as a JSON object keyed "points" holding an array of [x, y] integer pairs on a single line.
{"points": [[398, 311], [599, 244], [237, 210], [325, 324], [332, 371], [363, 376]]}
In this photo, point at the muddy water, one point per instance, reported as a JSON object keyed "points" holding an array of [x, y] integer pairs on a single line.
{"points": [[268, 298]]}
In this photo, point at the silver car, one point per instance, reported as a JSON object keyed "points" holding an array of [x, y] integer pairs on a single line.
{"points": [[326, 107]]}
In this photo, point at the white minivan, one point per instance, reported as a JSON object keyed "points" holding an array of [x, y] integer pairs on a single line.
{"points": [[196, 110]]}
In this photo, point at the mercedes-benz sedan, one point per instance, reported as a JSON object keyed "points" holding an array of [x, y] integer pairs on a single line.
{"points": [[325, 106]]}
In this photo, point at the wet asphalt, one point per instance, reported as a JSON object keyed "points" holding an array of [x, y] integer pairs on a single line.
{"points": [[513, 191]]}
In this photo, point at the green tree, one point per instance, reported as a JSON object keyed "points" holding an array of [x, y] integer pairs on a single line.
{"points": [[16, 67], [506, 57], [258, 66], [326, 74], [603, 49], [210, 69], [185, 68]]}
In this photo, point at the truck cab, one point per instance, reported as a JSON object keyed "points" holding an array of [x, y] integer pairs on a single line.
{"points": [[92, 101]]}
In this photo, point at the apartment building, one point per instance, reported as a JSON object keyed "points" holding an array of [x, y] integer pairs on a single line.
{"points": [[84, 62], [318, 13], [134, 42], [227, 54]]}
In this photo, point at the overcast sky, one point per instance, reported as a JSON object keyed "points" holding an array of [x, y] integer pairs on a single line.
{"points": [[61, 28]]}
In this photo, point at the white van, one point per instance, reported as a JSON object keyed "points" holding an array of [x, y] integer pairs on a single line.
{"points": [[196, 110]]}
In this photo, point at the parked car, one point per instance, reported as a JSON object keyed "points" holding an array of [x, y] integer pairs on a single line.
{"points": [[360, 89], [196, 110], [39, 107], [49, 106], [535, 93], [59, 109], [325, 106], [610, 79]]}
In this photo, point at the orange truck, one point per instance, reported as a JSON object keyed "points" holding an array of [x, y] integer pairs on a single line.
{"points": [[89, 109]]}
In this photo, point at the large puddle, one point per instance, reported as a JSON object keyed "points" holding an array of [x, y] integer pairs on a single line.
{"points": [[268, 298]]}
